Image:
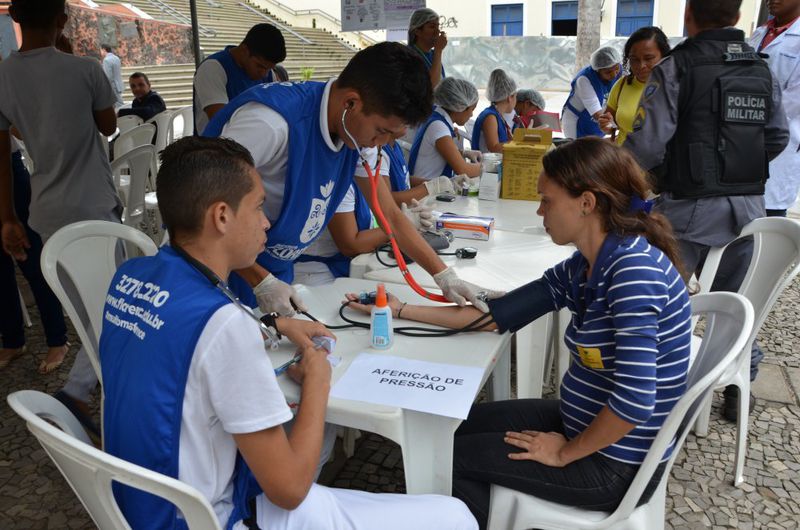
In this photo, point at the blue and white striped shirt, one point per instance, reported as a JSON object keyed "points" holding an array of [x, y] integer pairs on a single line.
{"points": [[629, 337]]}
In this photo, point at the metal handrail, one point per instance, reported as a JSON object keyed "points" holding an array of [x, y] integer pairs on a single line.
{"points": [[321, 14], [276, 23], [174, 13]]}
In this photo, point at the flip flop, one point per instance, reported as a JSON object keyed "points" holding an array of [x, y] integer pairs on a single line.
{"points": [[47, 367], [85, 420], [17, 352]]}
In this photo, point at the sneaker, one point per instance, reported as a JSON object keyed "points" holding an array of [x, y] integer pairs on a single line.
{"points": [[729, 407]]}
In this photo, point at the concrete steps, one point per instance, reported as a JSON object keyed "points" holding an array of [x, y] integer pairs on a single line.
{"points": [[227, 22]]}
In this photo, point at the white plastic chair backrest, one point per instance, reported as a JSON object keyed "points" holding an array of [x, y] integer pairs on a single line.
{"points": [[133, 138], [775, 263], [26, 157], [91, 472], [181, 123], [162, 121], [140, 163], [729, 320], [80, 260], [126, 123]]}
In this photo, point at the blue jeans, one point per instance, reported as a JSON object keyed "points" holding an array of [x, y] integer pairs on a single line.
{"points": [[12, 327]]}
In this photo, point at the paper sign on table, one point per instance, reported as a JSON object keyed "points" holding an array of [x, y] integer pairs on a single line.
{"points": [[435, 388]]}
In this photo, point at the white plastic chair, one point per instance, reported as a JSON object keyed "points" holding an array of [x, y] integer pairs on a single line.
{"points": [[133, 138], [775, 263], [162, 121], [86, 255], [181, 124], [26, 317], [126, 123], [133, 186], [729, 322], [91, 472]]}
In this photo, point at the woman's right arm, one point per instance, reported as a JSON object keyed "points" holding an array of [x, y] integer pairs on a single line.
{"points": [[447, 149], [452, 317], [489, 131]]}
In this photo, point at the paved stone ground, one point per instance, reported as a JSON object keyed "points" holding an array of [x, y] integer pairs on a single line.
{"points": [[701, 495]]}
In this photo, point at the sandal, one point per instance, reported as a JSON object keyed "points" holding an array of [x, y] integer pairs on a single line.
{"points": [[9, 354], [83, 418], [45, 367]]}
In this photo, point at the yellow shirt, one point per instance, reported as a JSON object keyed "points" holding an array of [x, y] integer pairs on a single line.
{"points": [[624, 100]]}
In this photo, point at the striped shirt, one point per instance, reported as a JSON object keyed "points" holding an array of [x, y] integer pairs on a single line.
{"points": [[629, 338]]}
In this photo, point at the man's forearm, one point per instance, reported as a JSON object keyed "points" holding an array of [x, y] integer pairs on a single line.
{"points": [[253, 274], [307, 433]]}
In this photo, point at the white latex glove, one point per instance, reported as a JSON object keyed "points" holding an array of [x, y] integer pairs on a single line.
{"points": [[459, 181], [440, 185], [473, 155], [276, 296], [419, 214], [459, 291]]}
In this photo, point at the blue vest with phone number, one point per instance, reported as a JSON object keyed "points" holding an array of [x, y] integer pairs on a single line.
{"points": [[317, 178], [155, 311]]}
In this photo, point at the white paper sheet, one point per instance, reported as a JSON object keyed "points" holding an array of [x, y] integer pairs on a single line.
{"points": [[435, 388]]}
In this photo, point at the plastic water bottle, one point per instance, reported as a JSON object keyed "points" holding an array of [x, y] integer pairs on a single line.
{"points": [[381, 331]]}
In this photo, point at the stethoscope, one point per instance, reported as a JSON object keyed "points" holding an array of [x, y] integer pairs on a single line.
{"points": [[373, 181], [216, 281]]}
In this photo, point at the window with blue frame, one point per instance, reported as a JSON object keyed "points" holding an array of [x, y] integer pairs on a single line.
{"points": [[506, 20], [632, 15], [565, 18]]}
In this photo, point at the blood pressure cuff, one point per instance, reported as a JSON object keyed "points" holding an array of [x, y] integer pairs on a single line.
{"points": [[523, 305]]}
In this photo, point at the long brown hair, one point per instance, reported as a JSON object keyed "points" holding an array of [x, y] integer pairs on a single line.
{"points": [[614, 177]]}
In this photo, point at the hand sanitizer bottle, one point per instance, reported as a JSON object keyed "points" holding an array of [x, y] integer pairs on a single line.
{"points": [[381, 331]]}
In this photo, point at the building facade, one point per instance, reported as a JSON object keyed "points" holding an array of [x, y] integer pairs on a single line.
{"points": [[560, 17], [547, 18]]}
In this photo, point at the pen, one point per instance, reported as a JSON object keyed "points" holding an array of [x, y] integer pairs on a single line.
{"points": [[285, 366]]}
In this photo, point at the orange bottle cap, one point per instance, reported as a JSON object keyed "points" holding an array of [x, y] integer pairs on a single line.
{"points": [[380, 297]]}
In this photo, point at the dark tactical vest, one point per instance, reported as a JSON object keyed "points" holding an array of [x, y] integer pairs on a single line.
{"points": [[725, 102]]}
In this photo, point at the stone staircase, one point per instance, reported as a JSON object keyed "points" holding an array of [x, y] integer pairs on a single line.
{"points": [[225, 22]]}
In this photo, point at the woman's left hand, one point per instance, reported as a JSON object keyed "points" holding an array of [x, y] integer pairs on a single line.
{"points": [[542, 447]]}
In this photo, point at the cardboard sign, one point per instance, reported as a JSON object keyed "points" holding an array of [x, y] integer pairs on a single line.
{"points": [[435, 388]]}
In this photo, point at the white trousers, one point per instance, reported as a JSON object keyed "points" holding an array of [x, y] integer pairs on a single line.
{"points": [[340, 509]]}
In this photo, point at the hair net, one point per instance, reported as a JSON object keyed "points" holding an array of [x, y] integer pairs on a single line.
{"points": [[529, 94], [500, 86], [419, 18], [605, 57], [455, 94]]}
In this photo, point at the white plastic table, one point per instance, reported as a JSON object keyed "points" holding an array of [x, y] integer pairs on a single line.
{"points": [[426, 440], [507, 261]]}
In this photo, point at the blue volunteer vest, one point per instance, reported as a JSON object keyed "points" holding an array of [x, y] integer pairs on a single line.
{"points": [[317, 178], [339, 264], [155, 311], [414, 153], [398, 170], [427, 57], [237, 80], [502, 129], [586, 125]]}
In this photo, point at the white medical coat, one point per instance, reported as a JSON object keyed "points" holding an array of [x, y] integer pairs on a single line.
{"points": [[784, 61]]}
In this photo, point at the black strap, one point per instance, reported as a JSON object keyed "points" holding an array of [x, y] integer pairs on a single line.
{"points": [[251, 522]]}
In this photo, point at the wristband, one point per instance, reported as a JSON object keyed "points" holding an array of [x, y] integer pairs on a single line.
{"points": [[401, 309]]}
